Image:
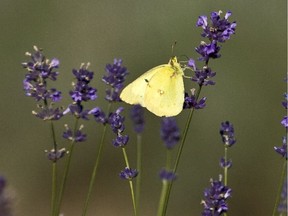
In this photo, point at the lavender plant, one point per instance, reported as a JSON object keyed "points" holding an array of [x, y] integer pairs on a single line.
{"points": [[137, 117], [114, 78], [219, 30], [170, 135], [117, 124], [215, 202], [40, 70], [82, 92], [281, 205], [227, 134]]}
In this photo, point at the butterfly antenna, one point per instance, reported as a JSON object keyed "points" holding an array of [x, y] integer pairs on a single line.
{"points": [[172, 48]]}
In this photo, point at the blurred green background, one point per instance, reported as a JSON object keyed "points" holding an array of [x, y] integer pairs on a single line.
{"points": [[248, 92]]}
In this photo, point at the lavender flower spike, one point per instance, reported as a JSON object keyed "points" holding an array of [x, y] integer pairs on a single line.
{"points": [[220, 29], [40, 70], [217, 30], [170, 132], [227, 133], [215, 198], [115, 77], [116, 121], [137, 116], [81, 89]]}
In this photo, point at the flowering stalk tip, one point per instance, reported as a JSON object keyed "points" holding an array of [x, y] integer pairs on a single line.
{"points": [[39, 71], [114, 78], [170, 133], [137, 116], [215, 198], [227, 133], [128, 174]]}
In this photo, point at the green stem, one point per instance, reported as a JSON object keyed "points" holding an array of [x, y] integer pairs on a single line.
{"points": [[54, 172], [280, 187], [130, 181], [179, 153], [96, 165], [180, 150], [226, 168], [94, 172], [133, 197], [165, 186], [125, 157], [139, 169], [54, 188], [168, 159], [64, 180], [66, 171], [162, 201], [53, 136]]}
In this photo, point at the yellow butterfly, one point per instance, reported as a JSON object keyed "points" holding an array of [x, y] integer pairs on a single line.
{"points": [[160, 90]]}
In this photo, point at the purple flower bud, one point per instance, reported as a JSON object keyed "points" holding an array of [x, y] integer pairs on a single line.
{"points": [[83, 74], [202, 21], [78, 136], [128, 173], [55, 95], [120, 141], [284, 121], [202, 77], [54, 156], [190, 102], [191, 63], [208, 51], [228, 14], [166, 175], [225, 164], [48, 113], [284, 103], [282, 150], [99, 115], [54, 63]]}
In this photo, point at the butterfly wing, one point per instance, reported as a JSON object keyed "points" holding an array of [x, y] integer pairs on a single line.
{"points": [[135, 91], [164, 93]]}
